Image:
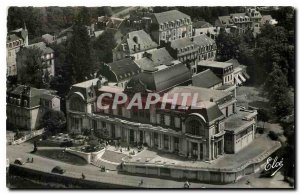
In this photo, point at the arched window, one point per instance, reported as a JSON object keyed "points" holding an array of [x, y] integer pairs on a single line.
{"points": [[77, 104], [195, 127]]}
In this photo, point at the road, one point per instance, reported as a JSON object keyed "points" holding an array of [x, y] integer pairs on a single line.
{"points": [[93, 173]]}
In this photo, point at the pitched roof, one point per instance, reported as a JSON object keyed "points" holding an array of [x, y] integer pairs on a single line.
{"points": [[124, 69], [164, 79], [234, 62], [202, 40], [168, 16], [201, 24], [42, 46], [87, 84], [225, 20], [140, 39], [205, 79], [12, 37], [181, 43], [155, 58]]}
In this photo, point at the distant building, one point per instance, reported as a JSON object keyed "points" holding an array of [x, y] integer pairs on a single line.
{"points": [[223, 70], [240, 72], [170, 25], [48, 38], [47, 56], [154, 58], [203, 27], [251, 19], [134, 44], [118, 73], [207, 79], [15, 41], [27, 105]]}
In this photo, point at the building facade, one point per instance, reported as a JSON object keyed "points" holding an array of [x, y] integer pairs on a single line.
{"points": [[15, 41], [170, 25], [26, 106]]}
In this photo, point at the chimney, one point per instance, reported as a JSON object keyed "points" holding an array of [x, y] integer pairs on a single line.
{"points": [[139, 46], [134, 47], [211, 99]]}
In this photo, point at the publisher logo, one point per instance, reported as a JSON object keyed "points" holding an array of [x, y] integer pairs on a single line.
{"points": [[274, 164]]}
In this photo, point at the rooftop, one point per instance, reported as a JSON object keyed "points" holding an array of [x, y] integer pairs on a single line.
{"points": [[204, 94], [201, 24], [42, 46], [168, 16], [141, 39], [181, 43], [87, 84], [155, 58], [239, 121], [202, 40], [124, 68], [111, 89], [205, 79], [214, 64]]}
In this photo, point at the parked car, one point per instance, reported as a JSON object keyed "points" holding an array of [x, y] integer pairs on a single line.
{"points": [[58, 170], [19, 161]]}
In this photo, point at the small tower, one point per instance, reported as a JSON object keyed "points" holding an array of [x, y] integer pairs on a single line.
{"points": [[24, 34]]}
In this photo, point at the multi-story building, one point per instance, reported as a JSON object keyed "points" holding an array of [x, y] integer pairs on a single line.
{"points": [[251, 19], [170, 25], [15, 41], [192, 50], [203, 27], [47, 56], [27, 105], [118, 73], [223, 70], [134, 44]]}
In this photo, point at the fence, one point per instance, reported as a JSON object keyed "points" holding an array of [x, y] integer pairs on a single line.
{"points": [[28, 136]]}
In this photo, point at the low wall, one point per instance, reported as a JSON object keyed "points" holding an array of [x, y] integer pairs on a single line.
{"points": [[89, 157], [28, 136], [66, 181]]}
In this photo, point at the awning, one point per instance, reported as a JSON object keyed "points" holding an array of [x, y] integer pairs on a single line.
{"points": [[237, 80], [246, 75], [241, 77]]}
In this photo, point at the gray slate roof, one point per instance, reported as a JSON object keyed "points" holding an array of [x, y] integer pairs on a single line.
{"points": [[205, 79], [124, 69], [42, 46], [158, 57], [201, 24], [164, 79], [168, 16], [144, 40], [202, 40]]}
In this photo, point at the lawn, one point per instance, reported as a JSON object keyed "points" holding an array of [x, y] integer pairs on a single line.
{"points": [[61, 155]]}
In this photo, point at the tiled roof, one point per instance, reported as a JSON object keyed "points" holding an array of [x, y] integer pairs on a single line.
{"points": [[234, 62], [181, 43], [141, 39], [201, 24], [168, 16], [42, 46], [124, 69], [202, 40], [164, 79], [206, 79], [225, 20], [155, 58]]}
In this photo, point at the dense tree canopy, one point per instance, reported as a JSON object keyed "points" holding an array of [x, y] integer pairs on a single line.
{"points": [[54, 121], [31, 69]]}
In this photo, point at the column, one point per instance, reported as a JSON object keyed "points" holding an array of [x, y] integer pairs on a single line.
{"points": [[128, 134], [198, 151], [172, 143], [213, 149], [169, 143]]}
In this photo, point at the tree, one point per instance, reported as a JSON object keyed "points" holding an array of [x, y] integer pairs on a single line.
{"points": [[276, 87], [263, 116], [30, 68], [228, 45], [54, 121], [103, 47], [79, 52]]}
